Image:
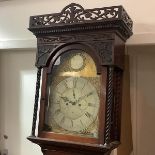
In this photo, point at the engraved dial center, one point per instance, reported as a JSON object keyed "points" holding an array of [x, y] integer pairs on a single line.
{"points": [[72, 105], [77, 62]]}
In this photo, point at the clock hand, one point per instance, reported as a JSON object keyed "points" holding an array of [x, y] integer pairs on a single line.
{"points": [[65, 99], [81, 98], [73, 93]]}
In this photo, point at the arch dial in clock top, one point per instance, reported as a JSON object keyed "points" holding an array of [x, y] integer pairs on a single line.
{"points": [[77, 62], [73, 102]]}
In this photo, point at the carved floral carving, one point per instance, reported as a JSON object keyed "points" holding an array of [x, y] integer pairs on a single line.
{"points": [[73, 37], [43, 54], [75, 13], [104, 50]]}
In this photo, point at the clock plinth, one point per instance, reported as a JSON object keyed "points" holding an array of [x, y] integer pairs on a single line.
{"points": [[80, 58], [54, 147]]}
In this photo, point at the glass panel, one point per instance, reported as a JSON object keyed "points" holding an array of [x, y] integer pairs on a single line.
{"points": [[73, 96]]}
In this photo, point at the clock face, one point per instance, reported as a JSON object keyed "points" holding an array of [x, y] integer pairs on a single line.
{"points": [[75, 104], [73, 96]]}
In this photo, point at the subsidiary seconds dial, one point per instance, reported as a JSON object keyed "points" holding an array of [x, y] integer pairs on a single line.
{"points": [[75, 104]]}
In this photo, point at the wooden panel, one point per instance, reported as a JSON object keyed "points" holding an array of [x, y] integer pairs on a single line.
{"points": [[126, 130], [142, 66]]}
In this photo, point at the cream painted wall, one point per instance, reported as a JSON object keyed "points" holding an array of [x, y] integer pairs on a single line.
{"points": [[17, 89], [14, 17]]}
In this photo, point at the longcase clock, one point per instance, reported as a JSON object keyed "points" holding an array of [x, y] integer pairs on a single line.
{"points": [[80, 61]]}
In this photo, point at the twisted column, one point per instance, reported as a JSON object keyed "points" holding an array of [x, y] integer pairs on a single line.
{"points": [[36, 102], [109, 105]]}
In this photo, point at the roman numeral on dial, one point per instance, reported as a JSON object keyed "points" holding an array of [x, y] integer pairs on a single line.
{"points": [[88, 114], [75, 82], [66, 85], [72, 123], [57, 111], [91, 105], [62, 120]]}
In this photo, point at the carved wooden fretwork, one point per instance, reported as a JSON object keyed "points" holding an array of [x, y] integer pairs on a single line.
{"points": [[74, 18], [75, 13], [127, 20]]}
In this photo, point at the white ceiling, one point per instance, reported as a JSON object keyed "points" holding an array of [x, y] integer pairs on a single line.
{"points": [[14, 16]]}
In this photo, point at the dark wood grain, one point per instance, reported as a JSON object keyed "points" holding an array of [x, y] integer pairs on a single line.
{"points": [[101, 37], [100, 69]]}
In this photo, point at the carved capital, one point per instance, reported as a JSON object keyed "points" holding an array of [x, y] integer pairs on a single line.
{"points": [[43, 53], [104, 50]]}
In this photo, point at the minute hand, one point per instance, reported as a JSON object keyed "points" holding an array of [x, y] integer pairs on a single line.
{"points": [[65, 99], [81, 98]]}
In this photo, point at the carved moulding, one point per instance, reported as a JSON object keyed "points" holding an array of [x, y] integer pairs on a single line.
{"points": [[103, 48], [54, 39], [43, 54], [75, 18]]}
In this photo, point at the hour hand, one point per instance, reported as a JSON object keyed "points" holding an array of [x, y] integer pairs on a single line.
{"points": [[73, 93], [83, 97], [64, 98]]}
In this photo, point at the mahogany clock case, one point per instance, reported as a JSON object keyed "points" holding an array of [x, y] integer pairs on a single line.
{"points": [[100, 33], [103, 76], [109, 133]]}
